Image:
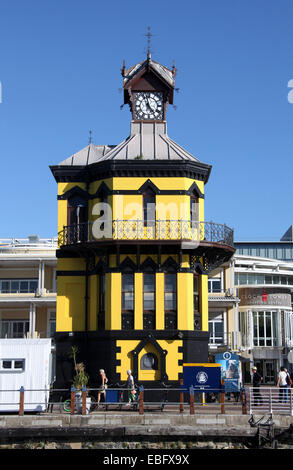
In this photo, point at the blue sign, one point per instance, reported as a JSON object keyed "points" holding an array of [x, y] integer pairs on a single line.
{"points": [[205, 377], [229, 370]]}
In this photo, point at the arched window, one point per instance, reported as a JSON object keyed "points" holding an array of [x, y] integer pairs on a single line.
{"points": [[77, 217]]}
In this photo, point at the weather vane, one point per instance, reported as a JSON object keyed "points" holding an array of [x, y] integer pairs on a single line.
{"points": [[149, 35]]}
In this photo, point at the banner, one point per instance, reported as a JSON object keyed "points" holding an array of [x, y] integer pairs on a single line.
{"points": [[229, 370]]}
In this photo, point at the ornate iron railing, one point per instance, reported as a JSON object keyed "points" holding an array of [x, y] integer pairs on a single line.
{"points": [[163, 230]]}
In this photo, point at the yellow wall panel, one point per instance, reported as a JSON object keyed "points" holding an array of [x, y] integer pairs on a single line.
{"points": [[113, 301], [204, 309], [70, 304], [185, 311]]}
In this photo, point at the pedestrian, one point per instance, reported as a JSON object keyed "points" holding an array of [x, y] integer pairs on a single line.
{"points": [[289, 383], [282, 384], [103, 381], [256, 382], [131, 387]]}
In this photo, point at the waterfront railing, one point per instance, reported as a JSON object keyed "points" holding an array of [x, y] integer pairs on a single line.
{"points": [[264, 400]]}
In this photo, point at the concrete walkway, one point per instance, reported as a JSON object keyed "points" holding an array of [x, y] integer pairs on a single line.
{"points": [[115, 424]]}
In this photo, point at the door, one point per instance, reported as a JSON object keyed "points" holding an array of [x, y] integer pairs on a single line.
{"points": [[269, 372]]}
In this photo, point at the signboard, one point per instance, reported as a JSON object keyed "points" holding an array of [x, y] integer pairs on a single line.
{"points": [[269, 296], [229, 370], [206, 377]]}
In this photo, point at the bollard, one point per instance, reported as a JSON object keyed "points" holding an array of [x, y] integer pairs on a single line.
{"points": [[72, 410], [141, 389], [191, 399], [181, 397], [84, 393], [223, 398], [243, 399], [21, 401]]}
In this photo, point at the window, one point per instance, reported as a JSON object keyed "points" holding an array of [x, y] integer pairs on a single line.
{"points": [[170, 301], [9, 365], [149, 210], [197, 324], [14, 328], [18, 286], [52, 324], [214, 285], [149, 361], [127, 301], [194, 215], [216, 328], [101, 314], [149, 282], [265, 328]]}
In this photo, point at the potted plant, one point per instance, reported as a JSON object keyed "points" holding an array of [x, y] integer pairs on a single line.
{"points": [[80, 380]]}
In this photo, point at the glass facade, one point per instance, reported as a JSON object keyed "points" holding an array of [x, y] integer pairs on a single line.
{"points": [[18, 286], [265, 328], [282, 251], [242, 279]]}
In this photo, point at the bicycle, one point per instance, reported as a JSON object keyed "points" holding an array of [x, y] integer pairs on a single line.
{"points": [[67, 405]]}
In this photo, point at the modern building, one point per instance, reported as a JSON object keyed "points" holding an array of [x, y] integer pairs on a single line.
{"points": [[264, 287], [28, 287], [281, 250], [134, 250]]}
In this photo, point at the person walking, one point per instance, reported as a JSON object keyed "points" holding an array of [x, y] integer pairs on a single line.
{"points": [[130, 386], [282, 384], [256, 382], [102, 385]]}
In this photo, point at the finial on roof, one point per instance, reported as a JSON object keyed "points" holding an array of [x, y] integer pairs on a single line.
{"points": [[174, 70], [123, 69], [149, 35], [90, 136]]}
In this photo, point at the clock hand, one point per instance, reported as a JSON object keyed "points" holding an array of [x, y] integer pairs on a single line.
{"points": [[150, 105]]}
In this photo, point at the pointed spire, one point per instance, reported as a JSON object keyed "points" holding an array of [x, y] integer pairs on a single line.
{"points": [[90, 136]]}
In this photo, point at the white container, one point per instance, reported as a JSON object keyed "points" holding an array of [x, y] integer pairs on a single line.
{"points": [[25, 363]]}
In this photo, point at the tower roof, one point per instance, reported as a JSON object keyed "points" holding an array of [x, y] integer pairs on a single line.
{"points": [[137, 70], [147, 141]]}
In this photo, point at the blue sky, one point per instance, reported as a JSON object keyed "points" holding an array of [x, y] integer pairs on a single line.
{"points": [[60, 75]]}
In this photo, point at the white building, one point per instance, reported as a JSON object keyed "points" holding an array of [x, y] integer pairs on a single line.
{"points": [[27, 287]]}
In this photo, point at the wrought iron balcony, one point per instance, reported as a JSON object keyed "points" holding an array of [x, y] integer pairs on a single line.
{"points": [[136, 230]]}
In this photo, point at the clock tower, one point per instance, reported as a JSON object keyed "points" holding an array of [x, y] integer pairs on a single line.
{"points": [[134, 294], [148, 89]]}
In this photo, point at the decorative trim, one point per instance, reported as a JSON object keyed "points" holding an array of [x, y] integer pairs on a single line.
{"points": [[170, 265], [162, 352], [103, 189], [131, 168]]}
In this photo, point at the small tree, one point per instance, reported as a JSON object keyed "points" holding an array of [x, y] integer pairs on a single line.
{"points": [[81, 378]]}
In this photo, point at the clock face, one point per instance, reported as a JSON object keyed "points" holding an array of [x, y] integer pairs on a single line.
{"points": [[148, 105]]}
